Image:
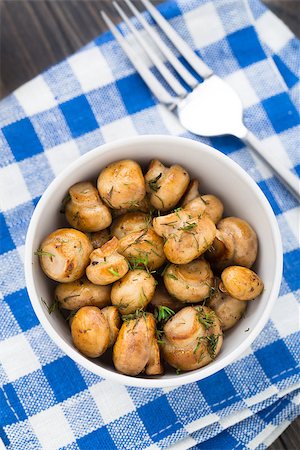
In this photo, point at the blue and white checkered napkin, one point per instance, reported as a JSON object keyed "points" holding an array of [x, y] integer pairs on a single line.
{"points": [[46, 400]]}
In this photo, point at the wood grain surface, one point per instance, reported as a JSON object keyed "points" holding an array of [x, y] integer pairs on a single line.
{"points": [[37, 34]]}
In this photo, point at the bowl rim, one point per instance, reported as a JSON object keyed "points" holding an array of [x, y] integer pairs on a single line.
{"points": [[187, 377]]}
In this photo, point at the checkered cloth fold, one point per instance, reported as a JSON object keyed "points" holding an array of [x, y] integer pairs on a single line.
{"points": [[46, 400]]}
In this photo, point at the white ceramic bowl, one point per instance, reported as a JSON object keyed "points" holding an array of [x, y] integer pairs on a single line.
{"points": [[218, 175]]}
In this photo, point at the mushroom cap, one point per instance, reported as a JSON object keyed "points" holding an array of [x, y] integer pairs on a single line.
{"points": [[121, 184], [90, 331], [192, 338], [85, 211], [199, 205], [79, 293], [111, 314], [142, 206], [191, 193], [241, 283], [166, 185], [64, 254], [107, 265], [99, 238], [190, 282], [213, 207], [129, 223], [239, 243], [136, 347], [144, 246], [134, 291], [228, 309], [190, 241], [163, 298]]}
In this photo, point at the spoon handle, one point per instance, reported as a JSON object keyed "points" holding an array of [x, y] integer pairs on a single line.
{"points": [[288, 178]]}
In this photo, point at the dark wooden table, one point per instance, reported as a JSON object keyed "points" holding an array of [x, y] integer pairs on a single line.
{"points": [[36, 34]]}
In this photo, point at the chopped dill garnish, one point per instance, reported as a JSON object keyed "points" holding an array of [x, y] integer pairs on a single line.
{"points": [[163, 205], [165, 268], [53, 307], [170, 275], [136, 315], [212, 344], [176, 211], [159, 336], [188, 226], [71, 296], [76, 216], [72, 314], [113, 272], [163, 313], [40, 252], [204, 201], [153, 183], [64, 202], [138, 262], [206, 319], [133, 204]]}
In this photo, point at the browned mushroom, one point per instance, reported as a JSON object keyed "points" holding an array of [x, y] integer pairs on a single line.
{"points": [[235, 244], [133, 292], [189, 283], [64, 254], [186, 238], [129, 223], [166, 185], [143, 248], [99, 238], [202, 205], [136, 348], [121, 184], [90, 331], [107, 265], [77, 294], [163, 298], [111, 314], [229, 310], [241, 283], [142, 206], [192, 338], [85, 211]]}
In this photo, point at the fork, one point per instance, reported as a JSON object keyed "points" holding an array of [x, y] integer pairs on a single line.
{"points": [[212, 108]]}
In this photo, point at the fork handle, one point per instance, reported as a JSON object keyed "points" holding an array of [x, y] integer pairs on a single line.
{"points": [[290, 180]]}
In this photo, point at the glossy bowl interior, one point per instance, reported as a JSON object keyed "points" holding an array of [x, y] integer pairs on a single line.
{"points": [[217, 174]]}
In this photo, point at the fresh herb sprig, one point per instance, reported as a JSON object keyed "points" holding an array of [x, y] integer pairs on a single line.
{"points": [[188, 226], [136, 315], [163, 313], [40, 252], [113, 271], [53, 307], [153, 183]]}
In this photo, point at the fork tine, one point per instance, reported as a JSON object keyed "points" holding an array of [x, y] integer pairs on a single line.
{"points": [[198, 65], [178, 66], [154, 85], [165, 72]]}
